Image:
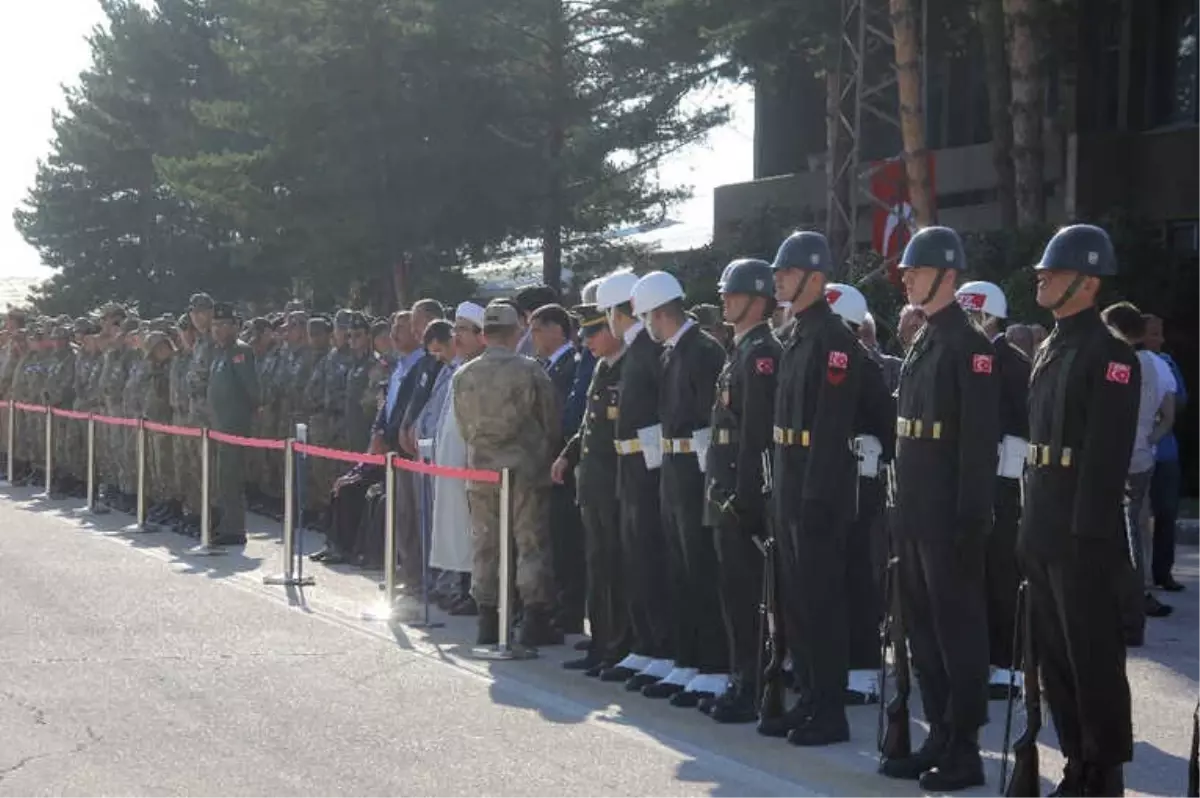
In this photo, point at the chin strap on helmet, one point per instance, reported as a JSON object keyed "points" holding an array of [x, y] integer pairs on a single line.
{"points": [[1072, 289]]}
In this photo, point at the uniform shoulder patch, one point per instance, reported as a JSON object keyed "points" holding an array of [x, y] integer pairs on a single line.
{"points": [[764, 365], [981, 364], [1118, 372], [839, 360], [239, 358]]}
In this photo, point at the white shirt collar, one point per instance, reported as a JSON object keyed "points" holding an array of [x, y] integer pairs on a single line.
{"points": [[674, 339], [562, 350], [632, 333]]}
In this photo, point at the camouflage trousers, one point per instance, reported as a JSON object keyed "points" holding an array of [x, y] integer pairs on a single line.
{"points": [[160, 463], [31, 437], [127, 465], [187, 457], [264, 467], [320, 472], [109, 443], [70, 447], [531, 537]]}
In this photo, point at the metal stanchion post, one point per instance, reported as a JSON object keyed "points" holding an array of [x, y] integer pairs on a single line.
{"points": [[49, 451], [504, 649], [205, 549], [292, 575], [301, 474], [423, 518], [141, 478], [91, 463], [12, 438], [385, 611]]}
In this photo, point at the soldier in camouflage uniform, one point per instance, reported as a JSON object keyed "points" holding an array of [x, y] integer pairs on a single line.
{"points": [[13, 350], [59, 392], [261, 464], [114, 369], [159, 353], [133, 397], [31, 434], [270, 364], [182, 448], [359, 404], [507, 411], [87, 395], [200, 308], [318, 480]]}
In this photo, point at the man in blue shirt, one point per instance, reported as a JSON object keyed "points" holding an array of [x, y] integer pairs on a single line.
{"points": [[1165, 484]]}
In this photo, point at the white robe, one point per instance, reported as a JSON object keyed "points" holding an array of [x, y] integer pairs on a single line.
{"points": [[451, 549]]}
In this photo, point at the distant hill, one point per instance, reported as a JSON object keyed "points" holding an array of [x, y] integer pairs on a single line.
{"points": [[14, 290]]}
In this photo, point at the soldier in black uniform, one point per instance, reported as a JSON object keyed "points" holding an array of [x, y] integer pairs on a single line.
{"points": [[735, 508], [589, 453], [820, 381], [987, 305], [643, 555], [1083, 403], [692, 360], [945, 470]]}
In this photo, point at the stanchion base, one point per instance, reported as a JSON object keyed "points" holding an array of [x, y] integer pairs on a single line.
{"points": [[287, 580], [205, 551], [379, 612], [423, 624], [511, 652], [144, 529]]}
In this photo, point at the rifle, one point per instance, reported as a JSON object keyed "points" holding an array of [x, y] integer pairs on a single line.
{"points": [[772, 702], [1026, 779], [895, 738]]}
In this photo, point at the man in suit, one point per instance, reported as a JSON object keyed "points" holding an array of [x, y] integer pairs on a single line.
{"points": [[550, 329]]}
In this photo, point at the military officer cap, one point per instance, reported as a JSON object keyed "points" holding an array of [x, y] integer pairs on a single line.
{"points": [[342, 319], [500, 314], [591, 320], [201, 301], [748, 276], [359, 321], [936, 248], [223, 311], [706, 315], [1082, 248], [804, 249]]}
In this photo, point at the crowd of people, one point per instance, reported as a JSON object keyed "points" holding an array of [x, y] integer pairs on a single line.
{"points": [[657, 452]]}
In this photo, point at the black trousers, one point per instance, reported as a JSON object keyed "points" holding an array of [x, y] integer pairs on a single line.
{"points": [[698, 637], [1003, 576], [866, 557], [372, 524], [607, 605], [1164, 503], [946, 619], [741, 566], [1081, 652], [814, 578], [346, 509], [568, 544], [644, 560]]}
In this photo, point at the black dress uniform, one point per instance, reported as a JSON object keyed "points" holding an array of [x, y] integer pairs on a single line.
{"points": [[642, 543], [1012, 373], [735, 509], [816, 474], [1083, 403], [690, 370], [591, 455], [569, 568]]}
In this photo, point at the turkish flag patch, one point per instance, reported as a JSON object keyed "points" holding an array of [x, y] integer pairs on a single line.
{"points": [[1118, 372], [981, 364], [971, 301], [239, 358], [764, 366], [833, 295], [839, 360]]}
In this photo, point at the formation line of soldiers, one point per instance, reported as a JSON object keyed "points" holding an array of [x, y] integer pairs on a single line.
{"points": [[681, 436], [204, 368]]}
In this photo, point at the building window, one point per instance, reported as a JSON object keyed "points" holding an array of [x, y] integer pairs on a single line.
{"points": [[1176, 76]]}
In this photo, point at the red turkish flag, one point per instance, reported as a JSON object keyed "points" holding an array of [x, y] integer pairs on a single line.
{"points": [[892, 214]]}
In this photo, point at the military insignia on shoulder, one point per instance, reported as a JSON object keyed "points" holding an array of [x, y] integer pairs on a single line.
{"points": [[1118, 373], [239, 358], [764, 366], [838, 363], [981, 364]]}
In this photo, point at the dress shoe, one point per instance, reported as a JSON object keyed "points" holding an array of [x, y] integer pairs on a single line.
{"points": [[617, 673], [737, 705], [661, 689], [927, 756], [581, 664], [690, 699], [823, 727], [584, 644], [537, 628], [230, 539], [781, 725], [960, 768], [705, 705], [465, 607], [1156, 609], [596, 670], [320, 556], [488, 627], [639, 681], [1170, 585]]}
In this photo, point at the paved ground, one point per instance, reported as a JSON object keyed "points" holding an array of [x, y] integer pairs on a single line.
{"points": [[127, 667]]}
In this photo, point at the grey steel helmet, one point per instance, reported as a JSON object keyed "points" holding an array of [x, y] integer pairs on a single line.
{"points": [[1082, 248], [934, 248], [806, 250], [749, 276]]}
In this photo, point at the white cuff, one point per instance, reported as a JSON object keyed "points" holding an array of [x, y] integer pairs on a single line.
{"points": [[658, 668], [635, 662], [680, 676]]}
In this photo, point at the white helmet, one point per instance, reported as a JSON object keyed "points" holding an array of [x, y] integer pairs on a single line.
{"points": [[615, 289], [588, 295], [655, 290], [981, 296], [846, 301]]}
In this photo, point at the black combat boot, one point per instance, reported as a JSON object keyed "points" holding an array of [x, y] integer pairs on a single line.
{"points": [[927, 756], [584, 663], [538, 629], [781, 725], [959, 768], [825, 726], [1104, 780], [737, 705], [488, 626]]}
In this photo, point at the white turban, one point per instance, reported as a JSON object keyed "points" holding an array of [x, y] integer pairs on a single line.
{"points": [[471, 312]]}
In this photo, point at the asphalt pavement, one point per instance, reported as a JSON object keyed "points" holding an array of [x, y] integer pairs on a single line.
{"points": [[129, 667]]}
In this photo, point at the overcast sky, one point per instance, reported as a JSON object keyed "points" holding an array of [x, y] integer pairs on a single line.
{"points": [[42, 46]]}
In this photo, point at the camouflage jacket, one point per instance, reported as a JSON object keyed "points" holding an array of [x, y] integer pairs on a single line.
{"points": [[114, 371], [60, 379], [198, 373], [87, 380], [156, 384], [177, 375], [133, 395]]}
